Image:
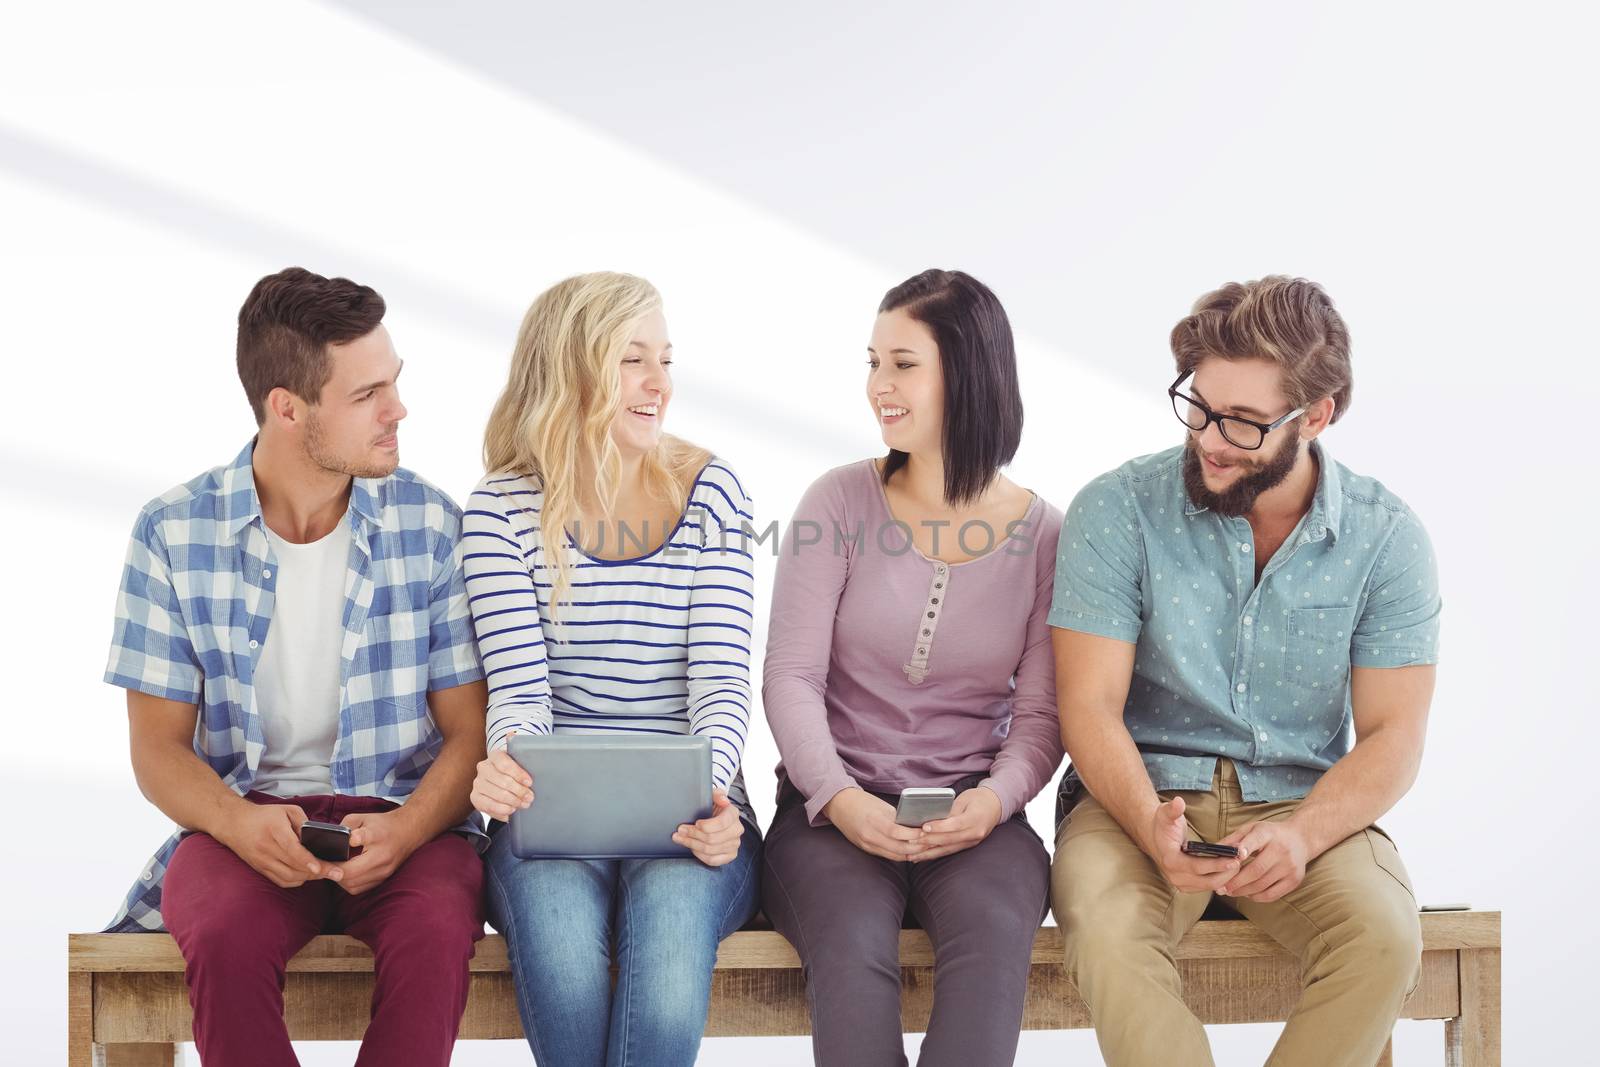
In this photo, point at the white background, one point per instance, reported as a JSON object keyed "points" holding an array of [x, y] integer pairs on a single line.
{"points": [[774, 170]]}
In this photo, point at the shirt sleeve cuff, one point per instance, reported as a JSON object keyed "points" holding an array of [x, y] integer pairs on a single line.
{"points": [[153, 688], [1009, 804], [1391, 657], [1100, 626], [819, 799]]}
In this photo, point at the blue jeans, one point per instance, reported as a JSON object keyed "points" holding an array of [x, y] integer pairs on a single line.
{"points": [[559, 918]]}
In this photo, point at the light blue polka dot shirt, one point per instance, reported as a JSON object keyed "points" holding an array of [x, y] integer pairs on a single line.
{"points": [[1224, 666]]}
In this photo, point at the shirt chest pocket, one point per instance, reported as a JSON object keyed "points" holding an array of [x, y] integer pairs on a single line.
{"points": [[392, 662], [1317, 657]]}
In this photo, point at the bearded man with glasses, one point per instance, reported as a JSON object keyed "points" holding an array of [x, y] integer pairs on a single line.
{"points": [[1227, 613]]}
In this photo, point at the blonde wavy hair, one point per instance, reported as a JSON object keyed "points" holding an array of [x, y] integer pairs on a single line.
{"points": [[553, 421]]}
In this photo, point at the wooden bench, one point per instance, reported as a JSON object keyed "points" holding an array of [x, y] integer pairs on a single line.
{"points": [[126, 1000]]}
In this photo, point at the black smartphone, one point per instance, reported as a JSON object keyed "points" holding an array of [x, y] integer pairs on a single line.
{"points": [[326, 840], [1206, 850]]}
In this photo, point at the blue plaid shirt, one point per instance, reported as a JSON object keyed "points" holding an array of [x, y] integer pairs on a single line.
{"points": [[196, 604]]}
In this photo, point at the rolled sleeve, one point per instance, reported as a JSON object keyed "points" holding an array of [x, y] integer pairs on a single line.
{"points": [[1399, 623], [1100, 564], [150, 647]]}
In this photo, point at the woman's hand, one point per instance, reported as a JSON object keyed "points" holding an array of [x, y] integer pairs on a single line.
{"points": [[502, 786], [972, 818], [714, 840], [868, 823]]}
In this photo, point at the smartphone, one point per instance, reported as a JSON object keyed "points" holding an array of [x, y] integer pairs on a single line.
{"points": [[918, 806], [326, 840], [1207, 850]]}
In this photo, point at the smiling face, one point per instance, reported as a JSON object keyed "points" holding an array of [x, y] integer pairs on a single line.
{"points": [[353, 428], [1220, 475], [646, 388], [905, 386]]}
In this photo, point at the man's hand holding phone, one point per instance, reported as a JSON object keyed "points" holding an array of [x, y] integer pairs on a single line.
{"points": [[385, 840], [267, 837], [1186, 873], [1281, 853]]}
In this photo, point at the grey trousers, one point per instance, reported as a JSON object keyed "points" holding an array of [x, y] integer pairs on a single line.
{"points": [[842, 909]]}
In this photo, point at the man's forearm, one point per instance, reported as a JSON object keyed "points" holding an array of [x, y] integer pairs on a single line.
{"points": [[1360, 788], [184, 788], [443, 798], [1105, 757]]}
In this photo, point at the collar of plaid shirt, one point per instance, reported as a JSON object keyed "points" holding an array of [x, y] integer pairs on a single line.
{"points": [[201, 551]]}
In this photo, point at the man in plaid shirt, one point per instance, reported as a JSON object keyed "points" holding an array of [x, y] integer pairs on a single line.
{"points": [[293, 633]]}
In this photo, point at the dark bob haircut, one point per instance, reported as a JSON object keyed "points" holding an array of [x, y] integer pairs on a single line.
{"points": [[982, 401]]}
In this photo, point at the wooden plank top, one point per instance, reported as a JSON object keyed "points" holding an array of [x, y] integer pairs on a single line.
{"points": [[760, 949]]}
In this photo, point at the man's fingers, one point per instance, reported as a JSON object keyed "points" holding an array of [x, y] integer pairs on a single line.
{"points": [[297, 816], [1207, 867], [1253, 879], [1276, 891], [1251, 838], [1210, 884], [293, 852], [283, 875]]}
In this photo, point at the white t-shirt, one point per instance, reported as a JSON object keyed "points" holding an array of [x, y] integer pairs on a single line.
{"points": [[297, 676]]}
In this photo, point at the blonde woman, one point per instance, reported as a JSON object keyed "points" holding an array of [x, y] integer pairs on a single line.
{"points": [[609, 573]]}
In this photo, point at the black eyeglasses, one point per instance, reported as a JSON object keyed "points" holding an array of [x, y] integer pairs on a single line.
{"points": [[1236, 430]]}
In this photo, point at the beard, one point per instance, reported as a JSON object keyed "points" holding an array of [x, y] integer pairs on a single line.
{"points": [[320, 453], [1239, 497]]}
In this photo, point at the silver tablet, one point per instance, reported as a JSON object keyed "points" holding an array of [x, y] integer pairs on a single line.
{"points": [[609, 797]]}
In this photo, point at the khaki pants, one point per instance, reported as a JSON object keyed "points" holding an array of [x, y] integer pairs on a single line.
{"points": [[1353, 923]]}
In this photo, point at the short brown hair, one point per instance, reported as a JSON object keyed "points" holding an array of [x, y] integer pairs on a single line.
{"points": [[1290, 321], [286, 325]]}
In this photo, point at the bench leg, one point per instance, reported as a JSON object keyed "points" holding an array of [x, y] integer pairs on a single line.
{"points": [[144, 1054], [1472, 1039], [80, 1019]]}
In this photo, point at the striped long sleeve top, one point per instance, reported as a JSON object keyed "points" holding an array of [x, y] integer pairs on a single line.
{"points": [[658, 643]]}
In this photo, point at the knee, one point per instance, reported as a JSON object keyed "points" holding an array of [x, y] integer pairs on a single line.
{"points": [[431, 943], [1102, 929], [835, 952], [993, 926], [230, 928], [1382, 946]]}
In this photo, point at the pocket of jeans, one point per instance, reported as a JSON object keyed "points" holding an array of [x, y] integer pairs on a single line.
{"points": [[1387, 856]]}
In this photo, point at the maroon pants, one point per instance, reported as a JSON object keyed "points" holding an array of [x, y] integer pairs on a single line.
{"points": [[237, 931]]}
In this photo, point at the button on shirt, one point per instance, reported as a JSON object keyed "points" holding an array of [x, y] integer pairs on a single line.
{"points": [[195, 608], [1223, 666]]}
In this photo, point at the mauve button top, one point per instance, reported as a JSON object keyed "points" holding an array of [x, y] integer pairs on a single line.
{"points": [[888, 670]]}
